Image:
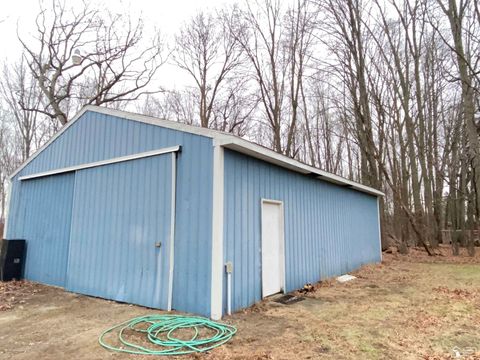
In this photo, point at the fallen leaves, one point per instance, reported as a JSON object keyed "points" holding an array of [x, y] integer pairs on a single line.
{"points": [[15, 292], [475, 356], [443, 254], [456, 294], [423, 321]]}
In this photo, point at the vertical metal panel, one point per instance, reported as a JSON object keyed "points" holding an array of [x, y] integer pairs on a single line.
{"points": [[97, 137], [120, 212], [329, 229], [42, 212]]}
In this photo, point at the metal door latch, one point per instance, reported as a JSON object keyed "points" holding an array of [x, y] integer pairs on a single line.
{"points": [[158, 244]]}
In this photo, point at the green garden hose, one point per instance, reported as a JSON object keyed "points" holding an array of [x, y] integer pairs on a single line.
{"points": [[160, 331]]}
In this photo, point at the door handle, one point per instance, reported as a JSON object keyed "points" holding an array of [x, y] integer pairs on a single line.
{"points": [[158, 244]]}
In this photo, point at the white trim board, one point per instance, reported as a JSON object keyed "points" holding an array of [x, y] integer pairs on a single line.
{"points": [[69, 254], [272, 157], [102, 162], [216, 291], [220, 138], [172, 231], [379, 229]]}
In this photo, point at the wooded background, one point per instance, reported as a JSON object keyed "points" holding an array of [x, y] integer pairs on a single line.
{"points": [[386, 93]]}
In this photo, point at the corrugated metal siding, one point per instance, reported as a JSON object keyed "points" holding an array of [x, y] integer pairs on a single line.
{"points": [[42, 212], [329, 230], [97, 137], [120, 211]]}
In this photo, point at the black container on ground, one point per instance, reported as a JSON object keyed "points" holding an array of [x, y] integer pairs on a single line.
{"points": [[12, 255]]}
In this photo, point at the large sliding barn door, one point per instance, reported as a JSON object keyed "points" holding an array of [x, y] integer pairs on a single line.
{"points": [[121, 227]]}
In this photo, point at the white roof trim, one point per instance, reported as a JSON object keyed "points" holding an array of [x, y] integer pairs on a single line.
{"points": [[102, 162], [220, 138], [246, 147]]}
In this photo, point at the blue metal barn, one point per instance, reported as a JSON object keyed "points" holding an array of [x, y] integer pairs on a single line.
{"points": [[147, 211]]}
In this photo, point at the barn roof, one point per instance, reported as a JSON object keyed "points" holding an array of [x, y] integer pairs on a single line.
{"points": [[227, 140]]}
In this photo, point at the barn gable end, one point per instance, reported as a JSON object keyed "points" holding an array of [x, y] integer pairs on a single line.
{"points": [[96, 136]]}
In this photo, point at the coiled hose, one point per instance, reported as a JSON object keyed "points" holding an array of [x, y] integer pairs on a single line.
{"points": [[160, 331]]}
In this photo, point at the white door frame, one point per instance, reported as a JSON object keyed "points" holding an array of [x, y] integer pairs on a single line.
{"points": [[282, 242]]}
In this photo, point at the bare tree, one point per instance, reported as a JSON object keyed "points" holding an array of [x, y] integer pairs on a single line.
{"points": [[278, 44], [235, 108], [259, 33], [467, 64], [19, 91], [298, 44], [346, 27], [83, 57], [209, 54], [172, 105], [10, 156]]}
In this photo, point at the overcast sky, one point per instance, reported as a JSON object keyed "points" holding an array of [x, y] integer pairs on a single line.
{"points": [[167, 16]]}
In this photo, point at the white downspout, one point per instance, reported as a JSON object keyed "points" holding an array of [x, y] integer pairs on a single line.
{"points": [[229, 270]]}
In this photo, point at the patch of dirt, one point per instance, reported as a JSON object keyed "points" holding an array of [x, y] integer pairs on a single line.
{"points": [[403, 308]]}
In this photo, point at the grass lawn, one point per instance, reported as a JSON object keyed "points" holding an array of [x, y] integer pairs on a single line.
{"points": [[404, 308]]}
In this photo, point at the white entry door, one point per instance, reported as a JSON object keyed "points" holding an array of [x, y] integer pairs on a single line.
{"points": [[273, 259]]}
